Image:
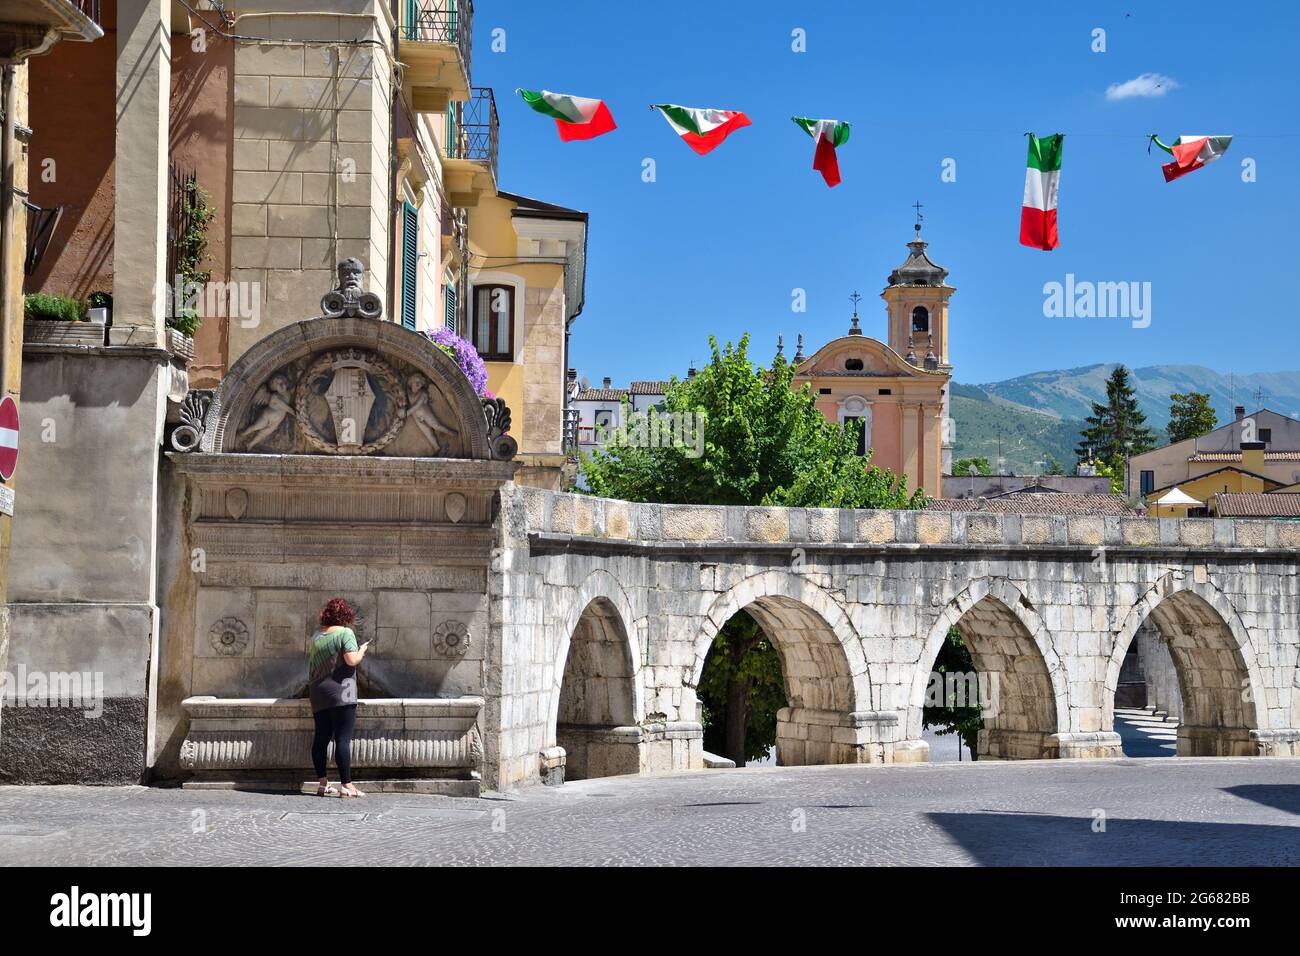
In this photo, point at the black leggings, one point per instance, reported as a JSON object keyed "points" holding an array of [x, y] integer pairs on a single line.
{"points": [[334, 723]]}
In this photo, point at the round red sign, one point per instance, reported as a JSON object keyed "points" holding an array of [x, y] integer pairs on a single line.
{"points": [[8, 437]]}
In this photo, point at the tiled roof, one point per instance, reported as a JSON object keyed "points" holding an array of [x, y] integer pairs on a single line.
{"points": [[1254, 505], [649, 388], [601, 395], [1236, 456], [1030, 503]]}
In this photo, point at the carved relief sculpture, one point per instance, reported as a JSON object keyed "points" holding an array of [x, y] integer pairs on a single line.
{"points": [[422, 393], [272, 403]]}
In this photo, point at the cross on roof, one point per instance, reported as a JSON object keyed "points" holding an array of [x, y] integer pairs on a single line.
{"points": [[918, 207]]}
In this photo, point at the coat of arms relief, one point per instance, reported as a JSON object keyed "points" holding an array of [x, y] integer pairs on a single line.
{"points": [[350, 401]]}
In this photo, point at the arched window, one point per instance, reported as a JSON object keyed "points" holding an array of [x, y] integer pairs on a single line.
{"points": [[853, 365], [920, 319]]}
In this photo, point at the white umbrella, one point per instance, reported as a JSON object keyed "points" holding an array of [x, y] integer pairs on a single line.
{"points": [[1177, 498]]}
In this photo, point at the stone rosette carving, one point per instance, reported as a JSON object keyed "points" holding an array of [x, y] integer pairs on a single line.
{"points": [[229, 637], [451, 639], [351, 383]]}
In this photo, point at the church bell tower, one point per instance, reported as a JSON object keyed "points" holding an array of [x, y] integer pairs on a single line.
{"points": [[917, 300]]}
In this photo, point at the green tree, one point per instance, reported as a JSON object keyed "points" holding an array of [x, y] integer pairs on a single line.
{"points": [[1114, 472], [1054, 467], [1116, 429], [763, 442], [963, 466], [1190, 416], [742, 675], [954, 658]]}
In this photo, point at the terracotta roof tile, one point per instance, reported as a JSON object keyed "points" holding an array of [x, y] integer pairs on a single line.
{"points": [[1255, 505], [601, 395], [1060, 503]]}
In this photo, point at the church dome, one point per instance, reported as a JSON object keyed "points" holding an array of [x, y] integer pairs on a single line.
{"points": [[918, 269]]}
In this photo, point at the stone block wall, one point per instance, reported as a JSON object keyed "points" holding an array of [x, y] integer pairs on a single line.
{"points": [[311, 161]]}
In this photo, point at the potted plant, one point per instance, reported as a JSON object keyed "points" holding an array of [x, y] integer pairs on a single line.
{"points": [[58, 319], [99, 306]]}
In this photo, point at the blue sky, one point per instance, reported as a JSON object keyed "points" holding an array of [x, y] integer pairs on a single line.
{"points": [[717, 243]]}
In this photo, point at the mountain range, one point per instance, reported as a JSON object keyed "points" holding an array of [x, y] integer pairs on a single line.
{"points": [[1037, 417]]}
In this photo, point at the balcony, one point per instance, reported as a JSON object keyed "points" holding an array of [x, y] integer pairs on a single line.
{"points": [[31, 27], [469, 168], [433, 42]]}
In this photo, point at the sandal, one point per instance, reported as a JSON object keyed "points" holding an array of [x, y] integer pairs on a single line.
{"points": [[327, 790], [348, 790]]}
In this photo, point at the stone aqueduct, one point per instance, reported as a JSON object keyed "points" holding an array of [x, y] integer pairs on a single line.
{"points": [[603, 612]]}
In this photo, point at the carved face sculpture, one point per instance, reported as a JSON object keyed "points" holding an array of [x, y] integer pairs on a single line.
{"points": [[350, 272]]}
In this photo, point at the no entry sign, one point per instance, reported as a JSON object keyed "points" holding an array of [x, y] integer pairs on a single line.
{"points": [[8, 437]]}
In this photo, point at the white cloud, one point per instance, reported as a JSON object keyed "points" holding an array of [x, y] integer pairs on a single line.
{"points": [[1148, 84]]}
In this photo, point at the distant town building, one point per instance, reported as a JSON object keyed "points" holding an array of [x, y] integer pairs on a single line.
{"points": [[600, 410], [1252, 455]]}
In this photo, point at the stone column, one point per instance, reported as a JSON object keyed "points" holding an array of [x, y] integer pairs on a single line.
{"points": [[140, 195]]}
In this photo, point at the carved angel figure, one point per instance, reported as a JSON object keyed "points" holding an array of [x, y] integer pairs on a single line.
{"points": [[274, 402], [420, 410]]}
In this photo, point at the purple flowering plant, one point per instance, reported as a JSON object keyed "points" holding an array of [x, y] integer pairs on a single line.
{"points": [[466, 356]]}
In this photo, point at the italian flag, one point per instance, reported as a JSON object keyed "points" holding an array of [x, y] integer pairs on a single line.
{"points": [[703, 130], [576, 117], [828, 134], [1191, 152], [1042, 180]]}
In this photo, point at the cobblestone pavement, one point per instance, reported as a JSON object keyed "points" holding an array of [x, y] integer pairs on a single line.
{"points": [[1154, 812]]}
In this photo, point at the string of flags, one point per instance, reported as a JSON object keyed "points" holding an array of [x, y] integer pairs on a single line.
{"points": [[704, 130]]}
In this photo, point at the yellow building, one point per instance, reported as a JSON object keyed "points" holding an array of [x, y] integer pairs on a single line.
{"points": [[527, 269], [899, 388], [1248, 477]]}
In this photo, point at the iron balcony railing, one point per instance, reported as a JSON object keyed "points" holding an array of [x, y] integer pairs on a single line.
{"points": [[440, 21], [476, 129], [90, 8]]}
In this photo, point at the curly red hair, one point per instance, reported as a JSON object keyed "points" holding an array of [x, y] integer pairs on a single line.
{"points": [[335, 612]]}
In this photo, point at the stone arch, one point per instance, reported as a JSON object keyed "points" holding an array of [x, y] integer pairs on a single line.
{"points": [[825, 669], [235, 396], [597, 702], [1007, 637], [1214, 658]]}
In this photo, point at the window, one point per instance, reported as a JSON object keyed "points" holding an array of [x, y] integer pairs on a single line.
{"points": [[494, 322], [1266, 435], [823, 391], [862, 434], [853, 365], [604, 418], [1148, 482], [410, 262], [886, 391], [920, 319]]}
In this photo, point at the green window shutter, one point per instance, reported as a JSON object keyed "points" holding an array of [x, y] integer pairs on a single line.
{"points": [[451, 131], [412, 19], [410, 262], [449, 319]]}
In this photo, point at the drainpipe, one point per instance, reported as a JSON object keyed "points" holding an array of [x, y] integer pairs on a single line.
{"points": [[6, 219], [394, 93]]}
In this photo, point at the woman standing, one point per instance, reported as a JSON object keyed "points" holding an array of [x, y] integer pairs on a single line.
{"points": [[332, 686]]}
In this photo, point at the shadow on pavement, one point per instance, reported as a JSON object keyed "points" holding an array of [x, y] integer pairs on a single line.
{"points": [[1280, 796], [1005, 839]]}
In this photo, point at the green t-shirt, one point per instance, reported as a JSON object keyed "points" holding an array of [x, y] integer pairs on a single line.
{"points": [[332, 682]]}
